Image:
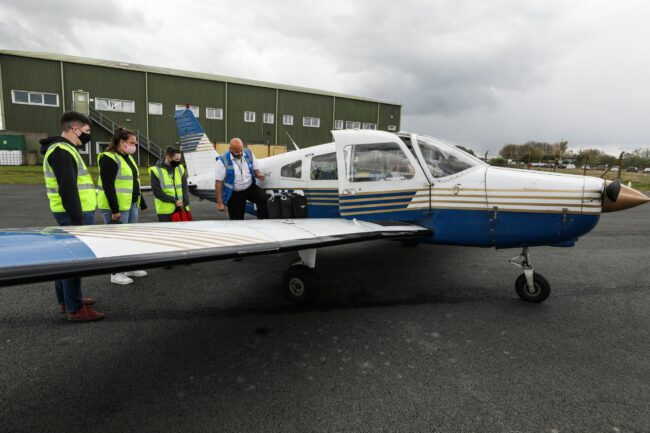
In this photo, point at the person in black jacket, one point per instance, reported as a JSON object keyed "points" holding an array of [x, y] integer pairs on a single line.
{"points": [[72, 198], [119, 198]]}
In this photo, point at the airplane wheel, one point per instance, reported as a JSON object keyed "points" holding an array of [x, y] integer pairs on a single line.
{"points": [[300, 284], [538, 293]]}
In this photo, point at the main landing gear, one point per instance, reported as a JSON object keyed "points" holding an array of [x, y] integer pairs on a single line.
{"points": [[300, 283], [530, 286]]}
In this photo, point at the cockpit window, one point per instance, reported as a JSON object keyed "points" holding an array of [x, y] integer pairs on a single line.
{"points": [[443, 159], [323, 167], [292, 170], [375, 162]]}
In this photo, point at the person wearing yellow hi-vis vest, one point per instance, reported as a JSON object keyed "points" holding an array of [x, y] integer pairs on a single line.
{"points": [[118, 190], [169, 185], [71, 193]]}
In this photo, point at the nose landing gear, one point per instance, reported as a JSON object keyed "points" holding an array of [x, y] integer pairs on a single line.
{"points": [[530, 286]]}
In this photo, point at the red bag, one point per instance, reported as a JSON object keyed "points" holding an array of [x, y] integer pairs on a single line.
{"points": [[181, 214]]}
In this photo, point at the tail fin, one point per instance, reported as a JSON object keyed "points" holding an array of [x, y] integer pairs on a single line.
{"points": [[196, 147]]}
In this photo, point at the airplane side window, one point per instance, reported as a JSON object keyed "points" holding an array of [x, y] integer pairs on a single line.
{"points": [[323, 167], [377, 162], [443, 160], [292, 170]]}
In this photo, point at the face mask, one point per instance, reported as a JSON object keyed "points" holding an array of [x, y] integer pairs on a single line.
{"points": [[174, 163], [236, 156], [130, 150], [85, 137]]}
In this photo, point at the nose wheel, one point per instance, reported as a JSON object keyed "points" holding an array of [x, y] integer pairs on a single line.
{"points": [[530, 286]]}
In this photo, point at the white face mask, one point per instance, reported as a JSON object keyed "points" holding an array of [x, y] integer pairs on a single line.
{"points": [[129, 149]]}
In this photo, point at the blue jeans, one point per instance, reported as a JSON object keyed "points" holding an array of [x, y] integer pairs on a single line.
{"points": [[128, 216], [68, 291]]}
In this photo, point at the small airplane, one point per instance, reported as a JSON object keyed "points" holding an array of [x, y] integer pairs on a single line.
{"points": [[365, 185]]}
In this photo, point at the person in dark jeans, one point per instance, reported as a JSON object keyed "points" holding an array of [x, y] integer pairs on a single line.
{"points": [[235, 182], [71, 193]]}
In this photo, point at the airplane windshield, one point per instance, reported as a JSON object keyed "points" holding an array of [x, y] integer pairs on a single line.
{"points": [[443, 159]]}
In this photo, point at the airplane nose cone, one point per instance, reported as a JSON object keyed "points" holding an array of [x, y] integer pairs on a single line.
{"points": [[620, 200]]}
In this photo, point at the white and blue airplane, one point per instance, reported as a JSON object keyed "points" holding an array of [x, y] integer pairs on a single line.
{"points": [[365, 185]]}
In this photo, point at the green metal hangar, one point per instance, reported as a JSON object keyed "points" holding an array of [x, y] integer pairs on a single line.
{"points": [[35, 88]]}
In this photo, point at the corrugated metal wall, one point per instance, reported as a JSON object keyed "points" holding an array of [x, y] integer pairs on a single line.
{"points": [[172, 91], [389, 115], [248, 98], [25, 73], [22, 73], [299, 105], [356, 111]]}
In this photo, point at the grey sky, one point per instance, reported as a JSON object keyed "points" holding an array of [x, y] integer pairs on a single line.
{"points": [[476, 73]]}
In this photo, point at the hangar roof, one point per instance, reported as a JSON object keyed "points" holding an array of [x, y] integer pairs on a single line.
{"points": [[180, 73]]}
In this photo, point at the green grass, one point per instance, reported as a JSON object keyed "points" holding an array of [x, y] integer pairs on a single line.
{"points": [[640, 181], [33, 175]]}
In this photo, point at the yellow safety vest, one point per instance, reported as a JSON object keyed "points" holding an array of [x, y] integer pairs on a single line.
{"points": [[123, 182], [85, 184], [172, 187]]}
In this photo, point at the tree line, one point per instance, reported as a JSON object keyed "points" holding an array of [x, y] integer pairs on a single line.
{"points": [[535, 151]]}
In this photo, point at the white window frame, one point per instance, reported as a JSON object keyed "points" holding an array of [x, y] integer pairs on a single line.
{"points": [[371, 126], [113, 100], [268, 118], [311, 122], [338, 124], [392, 128], [249, 116], [351, 124], [99, 145], [217, 113], [156, 104], [84, 149], [43, 104], [195, 110], [287, 119]]}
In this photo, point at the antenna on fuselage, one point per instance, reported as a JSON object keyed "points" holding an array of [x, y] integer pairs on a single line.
{"points": [[294, 143]]}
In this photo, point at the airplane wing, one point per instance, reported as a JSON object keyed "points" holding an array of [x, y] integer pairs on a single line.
{"points": [[41, 254]]}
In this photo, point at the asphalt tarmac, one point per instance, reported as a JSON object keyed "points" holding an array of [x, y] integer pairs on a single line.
{"points": [[425, 339]]}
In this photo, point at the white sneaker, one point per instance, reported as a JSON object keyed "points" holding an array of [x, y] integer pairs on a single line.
{"points": [[138, 274], [121, 279]]}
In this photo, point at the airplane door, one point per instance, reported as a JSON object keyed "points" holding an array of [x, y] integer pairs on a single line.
{"points": [[379, 178]]}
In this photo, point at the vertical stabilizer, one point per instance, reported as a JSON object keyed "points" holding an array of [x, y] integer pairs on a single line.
{"points": [[196, 147]]}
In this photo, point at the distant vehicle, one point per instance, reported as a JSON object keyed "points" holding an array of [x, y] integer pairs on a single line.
{"points": [[561, 166], [647, 170], [614, 168], [632, 169], [601, 167], [586, 167], [570, 166]]}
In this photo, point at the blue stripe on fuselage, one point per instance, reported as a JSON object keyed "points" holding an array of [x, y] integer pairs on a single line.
{"points": [[33, 247]]}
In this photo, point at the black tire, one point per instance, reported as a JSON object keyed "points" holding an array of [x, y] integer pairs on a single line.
{"points": [[540, 292], [300, 284]]}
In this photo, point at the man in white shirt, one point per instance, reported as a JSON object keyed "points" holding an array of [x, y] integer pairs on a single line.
{"points": [[235, 182]]}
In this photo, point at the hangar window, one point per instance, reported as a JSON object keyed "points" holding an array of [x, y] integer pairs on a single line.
{"points": [[195, 110], [119, 105], [156, 108], [323, 167], [352, 125], [287, 119], [35, 98], [292, 170], [268, 118], [338, 124], [377, 162], [214, 113], [311, 122], [369, 126], [392, 128], [249, 116]]}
